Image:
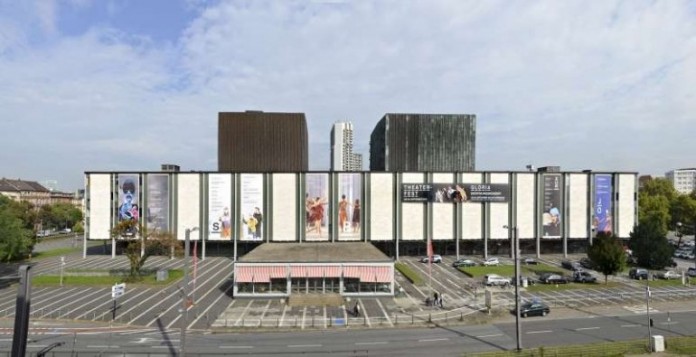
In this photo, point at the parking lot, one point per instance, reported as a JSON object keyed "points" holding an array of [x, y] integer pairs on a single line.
{"points": [[213, 305]]}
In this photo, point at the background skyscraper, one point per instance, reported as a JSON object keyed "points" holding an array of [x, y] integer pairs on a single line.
{"points": [[342, 156]]}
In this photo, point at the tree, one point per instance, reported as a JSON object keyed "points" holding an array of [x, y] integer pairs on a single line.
{"points": [[683, 210], [15, 240], [655, 209], [155, 243], [650, 246], [607, 254]]}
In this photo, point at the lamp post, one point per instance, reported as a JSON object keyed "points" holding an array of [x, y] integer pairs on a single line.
{"points": [[679, 235], [184, 297], [516, 258]]}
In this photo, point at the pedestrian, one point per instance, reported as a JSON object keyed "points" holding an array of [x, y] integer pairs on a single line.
{"points": [[356, 310], [436, 298], [442, 298]]}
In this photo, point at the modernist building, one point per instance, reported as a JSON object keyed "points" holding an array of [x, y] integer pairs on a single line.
{"points": [[392, 212], [424, 142], [342, 156], [684, 180], [257, 141]]}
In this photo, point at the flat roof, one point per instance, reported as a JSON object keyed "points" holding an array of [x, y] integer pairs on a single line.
{"points": [[343, 252]]}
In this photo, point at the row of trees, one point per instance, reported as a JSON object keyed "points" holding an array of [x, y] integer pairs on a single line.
{"points": [[19, 222], [661, 209]]}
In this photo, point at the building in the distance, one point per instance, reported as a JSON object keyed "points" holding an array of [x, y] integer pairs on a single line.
{"points": [[342, 156], [255, 141], [684, 180], [36, 194], [424, 142]]}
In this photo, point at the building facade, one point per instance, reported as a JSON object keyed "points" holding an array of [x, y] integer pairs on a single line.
{"points": [[683, 180], [424, 142], [342, 156], [262, 142], [36, 194]]}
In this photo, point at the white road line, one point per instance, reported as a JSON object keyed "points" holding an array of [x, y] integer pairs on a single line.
{"points": [[102, 346], [282, 317], [304, 315], [263, 314], [384, 311], [236, 323], [302, 346], [486, 336], [669, 323], [433, 339], [325, 325], [211, 306], [586, 328], [540, 331], [630, 325], [235, 346], [371, 343], [364, 312]]}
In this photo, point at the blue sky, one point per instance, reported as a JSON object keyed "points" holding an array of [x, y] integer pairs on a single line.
{"points": [[128, 85]]}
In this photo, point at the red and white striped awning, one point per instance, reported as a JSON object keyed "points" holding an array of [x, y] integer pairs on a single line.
{"points": [[352, 271], [243, 274], [313, 271], [332, 271], [278, 272]]}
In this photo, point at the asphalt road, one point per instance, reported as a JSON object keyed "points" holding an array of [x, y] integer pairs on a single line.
{"points": [[435, 341]]}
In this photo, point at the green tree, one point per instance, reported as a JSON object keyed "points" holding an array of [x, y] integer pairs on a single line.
{"points": [[659, 187], [650, 246], [15, 239], [683, 210], [607, 254], [655, 210], [156, 243]]}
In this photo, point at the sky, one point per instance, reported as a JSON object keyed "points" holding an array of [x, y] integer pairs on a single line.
{"points": [[127, 85]]}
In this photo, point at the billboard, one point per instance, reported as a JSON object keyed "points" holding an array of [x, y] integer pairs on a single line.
{"points": [[128, 191], [602, 218], [157, 213], [551, 206], [316, 207], [219, 207], [252, 207], [455, 193], [349, 206]]}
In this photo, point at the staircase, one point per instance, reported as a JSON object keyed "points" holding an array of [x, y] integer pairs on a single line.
{"points": [[315, 300]]}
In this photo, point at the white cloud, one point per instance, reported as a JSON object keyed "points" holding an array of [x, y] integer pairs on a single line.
{"points": [[601, 85]]}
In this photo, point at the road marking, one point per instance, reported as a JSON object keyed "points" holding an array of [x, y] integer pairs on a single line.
{"points": [[304, 315], [371, 343], [586, 328], [669, 323], [325, 323], [384, 311], [282, 317], [485, 336], [159, 346], [211, 305], [102, 346], [302, 346], [433, 339], [540, 331], [364, 312], [241, 317], [630, 325], [235, 346]]}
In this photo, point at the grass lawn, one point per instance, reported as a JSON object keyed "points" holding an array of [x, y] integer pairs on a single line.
{"points": [[570, 286], [670, 282], [509, 270], [409, 273], [101, 280], [55, 252]]}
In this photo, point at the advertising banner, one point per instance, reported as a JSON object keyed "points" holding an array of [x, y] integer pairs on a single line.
{"points": [[350, 187], [602, 220], [252, 207], [551, 215], [455, 193], [128, 191], [316, 207], [157, 214], [220, 207]]}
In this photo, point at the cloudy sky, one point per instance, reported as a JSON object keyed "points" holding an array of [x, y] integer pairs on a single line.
{"points": [[130, 84]]}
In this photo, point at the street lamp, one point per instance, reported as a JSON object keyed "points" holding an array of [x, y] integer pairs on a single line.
{"points": [[184, 297], [679, 235], [516, 257]]}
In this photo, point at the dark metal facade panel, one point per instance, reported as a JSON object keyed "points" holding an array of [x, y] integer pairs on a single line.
{"points": [[255, 141], [424, 142]]}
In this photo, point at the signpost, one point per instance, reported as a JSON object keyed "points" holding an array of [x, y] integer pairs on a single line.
{"points": [[116, 292]]}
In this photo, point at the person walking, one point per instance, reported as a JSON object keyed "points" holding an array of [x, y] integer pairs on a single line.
{"points": [[356, 309]]}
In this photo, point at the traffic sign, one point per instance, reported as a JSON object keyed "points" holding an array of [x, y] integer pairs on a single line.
{"points": [[118, 290]]}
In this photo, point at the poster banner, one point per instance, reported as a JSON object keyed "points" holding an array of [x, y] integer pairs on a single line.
{"points": [[551, 216], [317, 207], [128, 191], [349, 206], [602, 220], [220, 207], [455, 193], [252, 207], [157, 213]]}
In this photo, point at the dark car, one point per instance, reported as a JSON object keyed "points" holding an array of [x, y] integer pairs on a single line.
{"points": [[534, 308], [574, 266], [553, 279], [583, 277], [691, 272], [463, 263], [638, 273], [586, 263]]}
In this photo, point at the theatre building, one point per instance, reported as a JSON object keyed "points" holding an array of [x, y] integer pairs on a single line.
{"points": [[312, 232]]}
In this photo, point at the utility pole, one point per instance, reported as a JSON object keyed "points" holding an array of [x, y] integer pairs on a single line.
{"points": [[21, 325], [185, 296], [517, 288]]}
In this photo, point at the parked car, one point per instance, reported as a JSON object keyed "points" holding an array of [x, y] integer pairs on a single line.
{"points": [[534, 308], [669, 274], [495, 280], [583, 277], [491, 262], [638, 273], [530, 261], [554, 279], [463, 263], [530, 280], [586, 263], [437, 258], [574, 266], [691, 272]]}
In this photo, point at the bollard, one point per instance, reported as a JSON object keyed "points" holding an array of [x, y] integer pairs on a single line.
{"points": [[461, 316], [430, 318], [411, 319]]}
